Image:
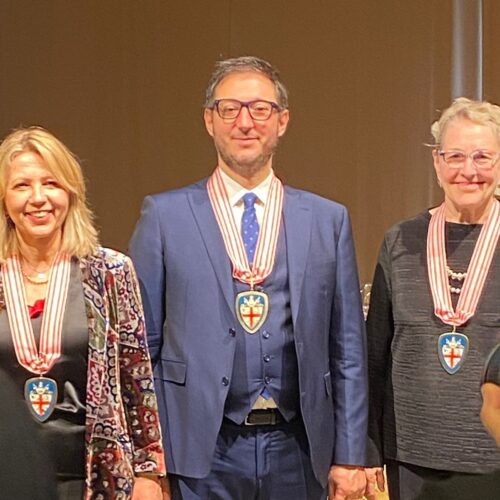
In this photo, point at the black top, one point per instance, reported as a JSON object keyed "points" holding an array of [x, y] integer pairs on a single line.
{"points": [[24, 472], [419, 413], [63, 433]]}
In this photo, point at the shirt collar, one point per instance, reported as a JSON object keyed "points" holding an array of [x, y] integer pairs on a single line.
{"points": [[235, 191]]}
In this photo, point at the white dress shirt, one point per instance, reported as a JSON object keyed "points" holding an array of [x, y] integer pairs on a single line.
{"points": [[236, 192]]}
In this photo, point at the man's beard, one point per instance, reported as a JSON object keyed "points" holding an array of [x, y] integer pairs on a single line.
{"points": [[248, 166]]}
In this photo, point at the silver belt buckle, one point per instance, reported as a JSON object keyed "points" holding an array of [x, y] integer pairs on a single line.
{"points": [[269, 418], [249, 423]]}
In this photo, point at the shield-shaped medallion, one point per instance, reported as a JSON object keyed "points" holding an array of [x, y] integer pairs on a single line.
{"points": [[41, 396], [452, 349], [251, 309]]}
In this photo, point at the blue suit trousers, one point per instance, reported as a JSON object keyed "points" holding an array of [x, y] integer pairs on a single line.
{"points": [[255, 463]]}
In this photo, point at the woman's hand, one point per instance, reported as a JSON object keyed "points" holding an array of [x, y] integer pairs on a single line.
{"points": [[150, 487], [490, 411]]}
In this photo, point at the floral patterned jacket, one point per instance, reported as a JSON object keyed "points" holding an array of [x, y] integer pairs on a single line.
{"points": [[122, 425], [123, 435]]}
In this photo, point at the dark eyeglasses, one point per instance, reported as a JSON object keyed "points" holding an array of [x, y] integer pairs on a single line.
{"points": [[229, 109]]}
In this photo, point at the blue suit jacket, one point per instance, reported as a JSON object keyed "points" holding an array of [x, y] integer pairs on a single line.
{"points": [[188, 294]]}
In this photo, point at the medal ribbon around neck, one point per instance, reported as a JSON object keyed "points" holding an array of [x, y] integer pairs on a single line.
{"points": [[38, 361], [268, 235], [476, 272]]}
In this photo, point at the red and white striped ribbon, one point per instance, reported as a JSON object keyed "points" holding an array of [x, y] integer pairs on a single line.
{"points": [[476, 272], [35, 360], [268, 234]]}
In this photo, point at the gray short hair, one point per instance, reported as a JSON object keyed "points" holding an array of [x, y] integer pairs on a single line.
{"points": [[481, 112], [240, 65]]}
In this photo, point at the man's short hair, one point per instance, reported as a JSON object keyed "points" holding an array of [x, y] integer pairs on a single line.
{"points": [[243, 64]]}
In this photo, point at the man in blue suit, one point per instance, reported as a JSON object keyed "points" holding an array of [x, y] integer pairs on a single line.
{"points": [[253, 314]]}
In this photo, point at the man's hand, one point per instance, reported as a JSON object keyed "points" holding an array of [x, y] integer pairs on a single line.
{"points": [[346, 482], [374, 478]]}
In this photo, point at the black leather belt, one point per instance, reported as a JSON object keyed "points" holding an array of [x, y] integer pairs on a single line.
{"points": [[272, 416]]}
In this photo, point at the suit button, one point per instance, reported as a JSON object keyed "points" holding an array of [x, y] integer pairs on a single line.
{"points": [[266, 334], [267, 380], [267, 358], [225, 381], [232, 332]]}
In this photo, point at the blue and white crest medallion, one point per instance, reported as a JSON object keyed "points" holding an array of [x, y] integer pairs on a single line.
{"points": [[251, 309], [452, 349], [41, 396]]}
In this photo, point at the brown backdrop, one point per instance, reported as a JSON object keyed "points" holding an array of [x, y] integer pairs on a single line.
{"points": [[121, 82]]}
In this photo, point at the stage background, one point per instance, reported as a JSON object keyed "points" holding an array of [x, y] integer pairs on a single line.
{"points": [[122, 82]]}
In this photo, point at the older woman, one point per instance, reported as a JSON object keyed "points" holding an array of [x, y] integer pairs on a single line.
{"points": [[72, 330], [433, 319]]}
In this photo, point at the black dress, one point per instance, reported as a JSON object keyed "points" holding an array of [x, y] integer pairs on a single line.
{"points": [[62, 435], [24, 472]]}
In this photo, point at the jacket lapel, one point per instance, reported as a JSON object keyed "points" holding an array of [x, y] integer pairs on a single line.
{"points": [[212, 237], [97, 316], [297, 223]]}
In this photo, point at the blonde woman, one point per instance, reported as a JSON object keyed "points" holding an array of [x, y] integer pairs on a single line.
{"points": [[72, 330]]}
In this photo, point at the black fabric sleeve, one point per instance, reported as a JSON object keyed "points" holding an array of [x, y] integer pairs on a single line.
{"points": [[380, 331]]}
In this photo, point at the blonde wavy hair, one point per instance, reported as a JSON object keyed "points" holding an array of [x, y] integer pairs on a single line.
{"points": [[79, 237]]}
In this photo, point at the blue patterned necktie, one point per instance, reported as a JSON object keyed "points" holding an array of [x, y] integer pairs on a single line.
{"points": [[249, 226], [250, 235]]}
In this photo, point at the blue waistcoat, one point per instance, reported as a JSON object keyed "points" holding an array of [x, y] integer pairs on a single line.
{"points": [[266, 358]]}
